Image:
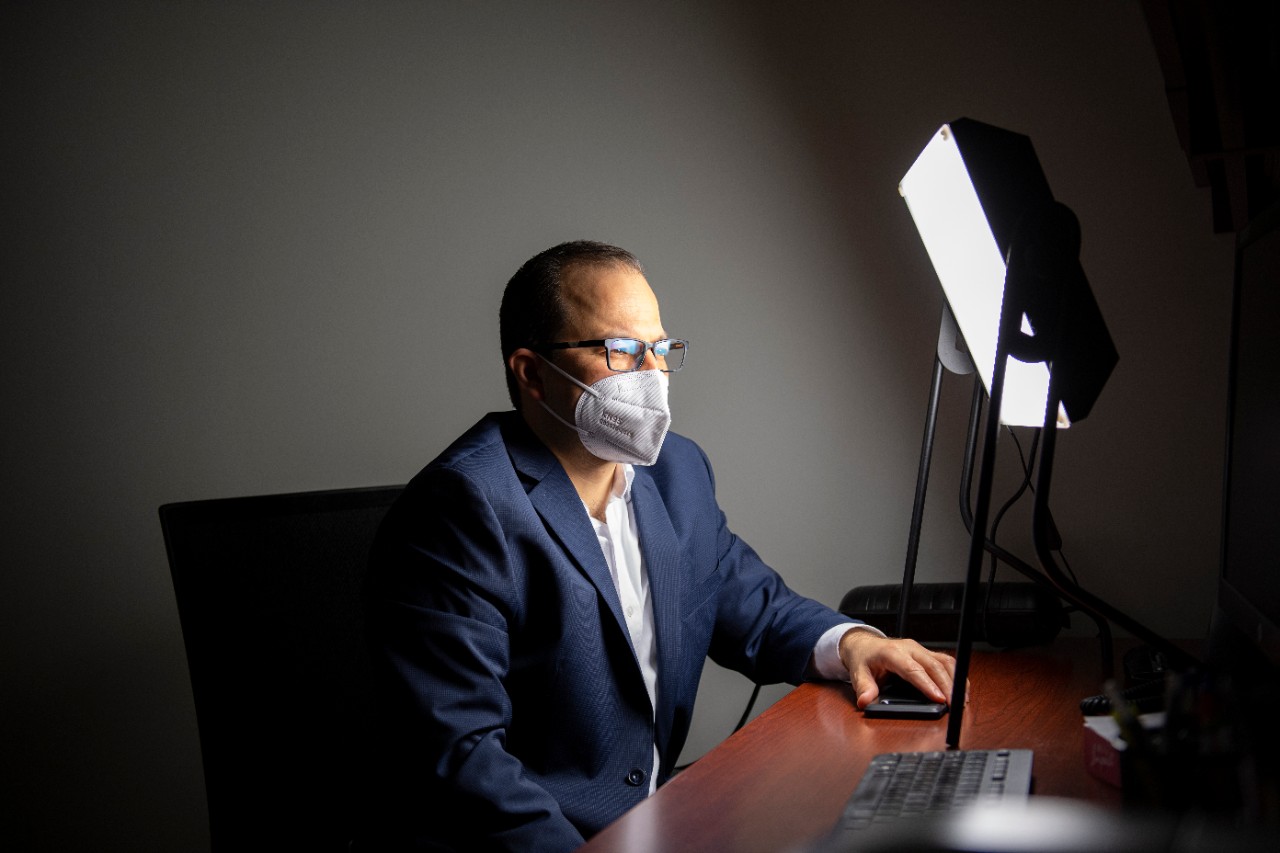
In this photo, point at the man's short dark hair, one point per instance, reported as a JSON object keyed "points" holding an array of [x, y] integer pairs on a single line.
{"points": [[532, 311]]}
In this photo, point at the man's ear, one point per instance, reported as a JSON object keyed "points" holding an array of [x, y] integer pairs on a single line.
{"points": [[525, 366]]}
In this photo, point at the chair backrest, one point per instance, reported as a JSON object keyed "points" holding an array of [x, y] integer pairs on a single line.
{"points": [[269, 594]]}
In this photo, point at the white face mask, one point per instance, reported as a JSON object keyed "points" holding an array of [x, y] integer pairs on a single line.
{"points": [[623, 417]]}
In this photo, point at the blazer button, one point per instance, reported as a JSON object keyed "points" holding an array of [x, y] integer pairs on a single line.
{"points": [[636, 776]]}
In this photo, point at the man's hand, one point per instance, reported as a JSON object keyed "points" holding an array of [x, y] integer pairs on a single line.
{"points": [[871, 658]]}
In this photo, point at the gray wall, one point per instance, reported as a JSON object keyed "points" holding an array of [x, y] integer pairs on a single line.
{"points": [[255, 248]]}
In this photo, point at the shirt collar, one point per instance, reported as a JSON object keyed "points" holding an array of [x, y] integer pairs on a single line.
{"points": [[619, 491], [622, 484]]}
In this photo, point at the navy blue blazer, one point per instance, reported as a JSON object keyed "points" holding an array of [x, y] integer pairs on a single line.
{"points": [[513, 714]]}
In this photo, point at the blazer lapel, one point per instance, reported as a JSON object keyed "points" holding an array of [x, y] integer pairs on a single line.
{"points": [[662, 559], [556, 500]]}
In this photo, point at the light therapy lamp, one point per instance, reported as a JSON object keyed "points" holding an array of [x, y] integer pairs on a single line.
{"points": [[976, 193], [1007, 256]]}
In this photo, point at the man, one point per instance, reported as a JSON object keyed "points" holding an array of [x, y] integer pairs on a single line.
{"points": [[544, 595]]}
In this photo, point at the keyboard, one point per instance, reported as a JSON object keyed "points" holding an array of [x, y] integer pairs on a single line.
{"points": [[909, 785]]}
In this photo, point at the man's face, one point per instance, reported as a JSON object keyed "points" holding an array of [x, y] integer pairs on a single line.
{"points": [[604, 302]]}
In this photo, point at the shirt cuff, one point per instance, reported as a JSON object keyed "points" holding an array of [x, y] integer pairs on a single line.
{"points": [[825, 663]]}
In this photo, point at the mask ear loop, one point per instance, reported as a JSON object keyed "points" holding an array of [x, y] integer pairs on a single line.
{"points": [[593, 392], [587, 388]]}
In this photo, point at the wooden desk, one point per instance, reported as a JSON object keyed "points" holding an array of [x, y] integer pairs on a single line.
{"points": [[783, 780]]}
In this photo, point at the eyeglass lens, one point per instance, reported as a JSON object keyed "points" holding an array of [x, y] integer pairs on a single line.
{"points": [[625, 354]]}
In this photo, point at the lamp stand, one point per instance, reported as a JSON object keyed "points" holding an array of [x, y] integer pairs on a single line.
{"points": [[1009, 315], [952, 356], [917, 507]]}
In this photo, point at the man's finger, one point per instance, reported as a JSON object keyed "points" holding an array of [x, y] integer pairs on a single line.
{"points": [[865, 687], [930, 674]]}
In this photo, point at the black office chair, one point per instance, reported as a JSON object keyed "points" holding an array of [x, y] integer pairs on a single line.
{"points": [[269, 594]]}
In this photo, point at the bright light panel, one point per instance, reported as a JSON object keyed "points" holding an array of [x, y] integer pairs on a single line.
{"points": [[953, 226]]}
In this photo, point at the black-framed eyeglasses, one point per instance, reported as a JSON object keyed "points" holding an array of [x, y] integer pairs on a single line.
{"points": [[624, 355]]}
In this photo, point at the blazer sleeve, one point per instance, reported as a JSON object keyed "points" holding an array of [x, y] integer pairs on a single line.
{"points": [[438, 599]]}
